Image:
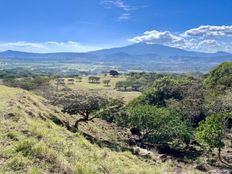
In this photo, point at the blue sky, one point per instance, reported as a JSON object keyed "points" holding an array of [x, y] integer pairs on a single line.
{"points": [[83, 25]]}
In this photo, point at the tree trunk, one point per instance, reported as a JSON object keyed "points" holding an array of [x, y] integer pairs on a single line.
{"points": [[80, 120], [219, 154]]}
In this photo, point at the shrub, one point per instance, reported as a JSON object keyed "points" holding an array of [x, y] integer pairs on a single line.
{"points": [[211, 132], [158, 125]]}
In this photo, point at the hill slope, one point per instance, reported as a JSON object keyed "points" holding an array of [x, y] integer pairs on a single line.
{"points": [[31, 141]]}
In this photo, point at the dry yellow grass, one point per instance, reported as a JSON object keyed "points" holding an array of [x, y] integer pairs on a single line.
{"points": [[101, 89]]}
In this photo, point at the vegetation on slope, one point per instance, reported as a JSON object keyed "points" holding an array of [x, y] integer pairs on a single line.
{"points": [[220, 76], [31, 141]]}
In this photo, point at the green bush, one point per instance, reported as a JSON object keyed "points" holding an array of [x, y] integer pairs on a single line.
{"points": [[158, 125]]}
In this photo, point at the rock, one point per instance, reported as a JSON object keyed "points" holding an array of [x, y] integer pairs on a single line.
{"points": [[135, 131], [201, 167], [131, 142], [141, 152], [178, 170], [220, 171], [11, 114], [163, 157]]}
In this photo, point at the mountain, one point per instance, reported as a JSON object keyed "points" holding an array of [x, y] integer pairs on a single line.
{"points": [[135, 49], [141, 56], [143, 49]]}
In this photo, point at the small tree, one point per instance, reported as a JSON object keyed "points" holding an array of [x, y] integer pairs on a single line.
{"points": [[93, 79], [123, 85], [114, 73], [135, 87], [71, 81], [87, 106], [79, 79], [211, 132], [106, 82]]}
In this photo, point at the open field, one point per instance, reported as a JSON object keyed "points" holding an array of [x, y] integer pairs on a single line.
{"points": [[108, 91]]}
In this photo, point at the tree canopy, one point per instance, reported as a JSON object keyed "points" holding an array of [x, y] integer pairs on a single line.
{"points": [[220, 76]]}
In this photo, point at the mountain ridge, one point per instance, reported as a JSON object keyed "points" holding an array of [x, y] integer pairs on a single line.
{"points": [[134, 49]]}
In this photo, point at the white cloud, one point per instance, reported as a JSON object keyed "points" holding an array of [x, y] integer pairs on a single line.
{"points": [[120, 4], [22, 44], [208, 30], [124, 16], [204, 38], [157, 37], [116, 3], [49, 46]]}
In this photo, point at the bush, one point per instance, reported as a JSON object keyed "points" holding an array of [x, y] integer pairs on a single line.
{"points": [[211, 132], [158, 125]]}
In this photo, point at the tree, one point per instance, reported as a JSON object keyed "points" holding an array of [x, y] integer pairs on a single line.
{"points": [[114, 73], [123, 85], [106, 82], [87, 106], [211, 132], [94, 79], [71, 81], [135, 87], [220, 76], [79, 79], [112, 110], [158, 125], [163, 89]]}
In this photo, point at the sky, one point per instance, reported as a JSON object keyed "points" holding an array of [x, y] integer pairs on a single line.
{"points": [[84, 25]]}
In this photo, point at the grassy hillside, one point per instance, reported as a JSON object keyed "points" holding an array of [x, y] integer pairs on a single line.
{"points": [[32, 140]]}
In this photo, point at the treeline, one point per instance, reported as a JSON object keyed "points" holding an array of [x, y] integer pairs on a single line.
{"points": [[15, 73], [28, 83], [140, 81]]}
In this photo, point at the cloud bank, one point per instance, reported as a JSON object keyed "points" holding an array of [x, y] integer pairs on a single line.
{"points": [[45, 47], [205, 38]]}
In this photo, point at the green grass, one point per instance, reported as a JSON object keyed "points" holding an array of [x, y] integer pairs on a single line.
{"points": [[33, 143]]}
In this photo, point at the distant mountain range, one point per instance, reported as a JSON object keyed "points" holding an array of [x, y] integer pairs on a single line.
{"points": [[135, 49], [139, 56]]}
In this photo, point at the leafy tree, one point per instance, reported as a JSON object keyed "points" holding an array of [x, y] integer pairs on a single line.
{"points": [[211, 132], [79, 79], [88, 106], [163, 89], [112, 110], [106, 82], [114, 73], [123, 85], [71, 81], [93, 79], [158, 125], [135, 87]]}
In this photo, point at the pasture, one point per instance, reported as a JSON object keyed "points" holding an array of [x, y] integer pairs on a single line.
{"points": [[102, 89]]}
